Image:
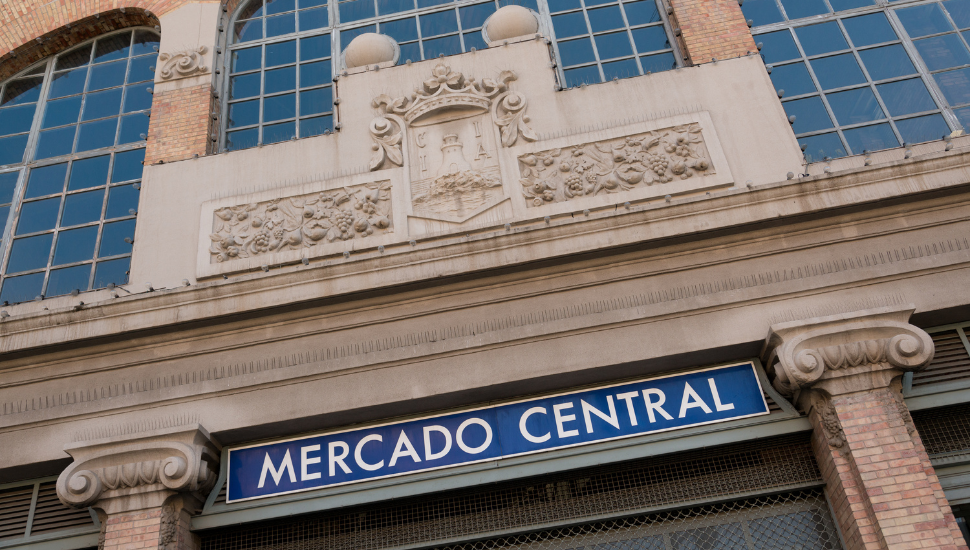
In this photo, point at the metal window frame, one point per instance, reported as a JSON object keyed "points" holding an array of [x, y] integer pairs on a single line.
{"points": [[28, 162], [63, 539]]}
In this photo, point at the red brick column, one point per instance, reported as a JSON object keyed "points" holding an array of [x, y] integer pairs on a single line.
{"points": [[180, 124], [879, 479], [164, 528], [712, 29]]}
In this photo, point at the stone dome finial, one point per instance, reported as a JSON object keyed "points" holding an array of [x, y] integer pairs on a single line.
{"points": [[510, 22], [371, 49]]}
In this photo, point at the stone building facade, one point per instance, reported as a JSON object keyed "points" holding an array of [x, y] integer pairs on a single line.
{"points": [[545, 274]]}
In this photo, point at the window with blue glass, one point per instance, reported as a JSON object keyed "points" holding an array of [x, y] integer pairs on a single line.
{"points": [[72, 142], [863, 75]]}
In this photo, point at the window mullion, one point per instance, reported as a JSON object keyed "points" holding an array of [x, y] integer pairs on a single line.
{"points": [[821, 95]]}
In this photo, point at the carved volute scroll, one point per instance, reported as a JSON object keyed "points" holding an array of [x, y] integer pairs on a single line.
{"points": [[182, 64], [140, 471], [845, 353]]}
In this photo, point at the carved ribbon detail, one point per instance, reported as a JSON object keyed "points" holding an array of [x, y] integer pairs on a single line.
{"points": [[183, 63]]}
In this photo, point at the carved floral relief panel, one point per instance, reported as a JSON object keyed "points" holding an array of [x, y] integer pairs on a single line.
{"points": [[293, 223]]}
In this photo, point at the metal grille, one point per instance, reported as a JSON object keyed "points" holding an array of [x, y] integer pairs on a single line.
{"points": [[950, 362], [14, 510], [33, 509], [945, 429], [50, 514], [589, 495]]}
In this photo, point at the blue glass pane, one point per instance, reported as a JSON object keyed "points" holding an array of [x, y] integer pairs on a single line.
{"points": [[279, 107], [14, 120], [312, 3], [108, 75], [316, 101], [12, 149], [244, 86], [94, 135], [141, 68], [556, 6], [61, 111], [82, 208], [887, 62], [145, 42], [777, 46], [249, 30], [569, 24], [355, 10], [281, 53], [839, 5], [955, 86], [121, 201], [575, 52], [38, 216], [613, 45], [113, 238], [279, 6], [620, 69], [75, 245], [30, 253], [473, 17], [90, 172], [315, 47], [52, 143], [8, 182], [809, 113], [316, 18], [923, 20], [22, 91], [315, 126], [583, 75], [112, 47], [101, 104], [4, 212], [657, 63], [275, 133], [796, 9], [315, 74], [243, 139], [439, 23], [792, 79], [641, 13], [871, 138], [923, 128], [22, 289], [906, 97], [67, 280], [837, 71], [429, 3], [449, 45], [113, 271], [605, 19], [821, 38], [245, 113], [869, 29], [385, 7], [133, 128], [128, 166], [247, 59], [68, 83], [280, 24], [346, 37], [819, 147], [474, 40], [530, 4], [410, 52], [960, 12], [648, 39], [942, 52], [46, 180], [761, 12], [855, 106], [964, 116], [77, 57], [137, 98]]}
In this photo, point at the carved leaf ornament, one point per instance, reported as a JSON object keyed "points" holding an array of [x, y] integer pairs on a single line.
{"points": [[447, 89], [182, 63]]}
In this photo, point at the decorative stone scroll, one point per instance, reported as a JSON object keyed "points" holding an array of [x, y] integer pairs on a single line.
{"points": [[182, 64], [292, 223], [651, 158]]}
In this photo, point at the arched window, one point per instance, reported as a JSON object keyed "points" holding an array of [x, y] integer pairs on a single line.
{"points": [[283, 53], [72, 142]]}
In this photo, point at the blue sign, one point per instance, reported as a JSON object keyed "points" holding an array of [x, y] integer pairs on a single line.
{"points": [[535, 425]]}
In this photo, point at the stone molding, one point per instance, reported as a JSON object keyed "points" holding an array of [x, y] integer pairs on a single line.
{"points": [[182, 64], [843, 354], [134, 472]]}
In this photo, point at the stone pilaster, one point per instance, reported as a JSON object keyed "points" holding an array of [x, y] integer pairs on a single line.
{"points": [[144, 486], [843, 371]]}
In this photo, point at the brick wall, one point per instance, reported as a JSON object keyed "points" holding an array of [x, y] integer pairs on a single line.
{"points": [[712, 29], [133, 531], [180, 124]]}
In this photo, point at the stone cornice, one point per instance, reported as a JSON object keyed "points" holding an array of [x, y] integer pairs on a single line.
{"points": [[132, 472], [490, 249], [843, 354]]}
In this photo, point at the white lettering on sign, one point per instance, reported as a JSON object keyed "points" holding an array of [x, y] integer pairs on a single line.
{"points": [[611, 419], [717, 398], [461, 431], [404, 448], [562, 419], [336, 459], [655, 406], [360, 448], [525, 431], [285, 466], [692, 400], [629, 397], [428, 455], [306, 460]]}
